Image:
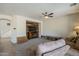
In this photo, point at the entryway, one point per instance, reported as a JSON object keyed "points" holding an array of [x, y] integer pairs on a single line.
{"points": [[6, 46]]}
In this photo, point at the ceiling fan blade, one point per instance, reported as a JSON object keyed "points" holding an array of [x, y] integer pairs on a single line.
{"points": [[73, 4], [50, 14], [45, 12]]}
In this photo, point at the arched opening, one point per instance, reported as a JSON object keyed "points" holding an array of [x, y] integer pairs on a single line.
{"points": [[5, 26]]}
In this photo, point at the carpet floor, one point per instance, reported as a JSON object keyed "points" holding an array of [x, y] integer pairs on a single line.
{"points": [[9, 49], [22, 49]]}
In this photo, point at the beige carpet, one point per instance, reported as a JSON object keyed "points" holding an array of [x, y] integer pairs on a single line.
{"points": [[7, 48], [72, 52], [24, 49]]}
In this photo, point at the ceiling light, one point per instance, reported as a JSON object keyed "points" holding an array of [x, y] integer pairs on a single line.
{"points": [[76, 28], [46, 17]]}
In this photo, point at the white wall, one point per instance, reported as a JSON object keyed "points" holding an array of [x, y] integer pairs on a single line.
{"points": [[60, 26], [18, 22], [21, 25], [4, 29]]}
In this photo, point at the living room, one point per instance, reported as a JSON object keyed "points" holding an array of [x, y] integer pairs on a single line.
{"points": [[33, 24]]}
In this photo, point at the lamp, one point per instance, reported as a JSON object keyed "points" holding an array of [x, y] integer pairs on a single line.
{"points": [[46, 17], [76, 29]]}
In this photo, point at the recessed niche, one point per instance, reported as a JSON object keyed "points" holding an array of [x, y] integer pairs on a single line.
{"points": [[32, 29]]}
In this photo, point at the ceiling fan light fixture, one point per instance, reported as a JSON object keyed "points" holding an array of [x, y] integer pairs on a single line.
{"points": [[46, 17], [73, 4]]}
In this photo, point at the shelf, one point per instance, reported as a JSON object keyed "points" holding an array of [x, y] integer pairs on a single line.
{"points": [[32, 30]]}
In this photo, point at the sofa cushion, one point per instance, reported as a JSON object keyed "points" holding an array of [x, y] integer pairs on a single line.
{"points": [[58, 52], [44, 47]]}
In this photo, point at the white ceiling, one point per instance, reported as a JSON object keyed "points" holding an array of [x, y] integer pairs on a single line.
{"points": [[34, 10]]}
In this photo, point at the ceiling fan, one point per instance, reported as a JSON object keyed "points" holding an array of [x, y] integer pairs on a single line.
{"points": [[46, 15], [73, 4]]}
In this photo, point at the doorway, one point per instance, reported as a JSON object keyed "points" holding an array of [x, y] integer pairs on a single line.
{"points": [[5, 28]]}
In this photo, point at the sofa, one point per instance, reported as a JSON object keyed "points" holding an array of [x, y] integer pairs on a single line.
{"points": [[53, 48]]}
